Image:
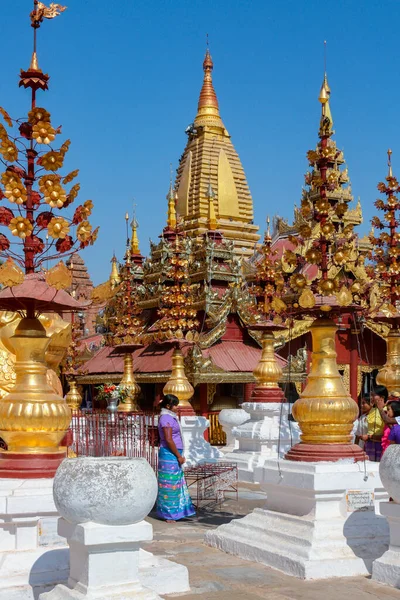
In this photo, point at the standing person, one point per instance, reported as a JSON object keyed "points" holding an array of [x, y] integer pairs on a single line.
{"points": [[373, 436], [393, 411], [173, 500]]}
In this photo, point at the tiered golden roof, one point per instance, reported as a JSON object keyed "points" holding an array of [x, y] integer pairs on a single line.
{"points": [[210, 158]]}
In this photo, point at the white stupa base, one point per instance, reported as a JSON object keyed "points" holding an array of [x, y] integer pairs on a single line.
{"points": [[197, 449], [34, 558], [386, 569], [268, 434], [104, 562], [31, 551], [316, 523]]}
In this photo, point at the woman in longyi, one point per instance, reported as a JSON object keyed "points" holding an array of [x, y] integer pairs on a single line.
{"points": [[173, 500]]}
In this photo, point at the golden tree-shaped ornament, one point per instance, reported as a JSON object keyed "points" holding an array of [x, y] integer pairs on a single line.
{"points": [[318, 283], [33, 419], [385, 292]]}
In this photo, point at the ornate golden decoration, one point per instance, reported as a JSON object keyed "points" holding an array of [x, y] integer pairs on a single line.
{"points": [[32, 417], [59, 276], [345, 376], [178, 384], [128, 383], [325, 411], [10, 274], [73, 398], [211, 389], [389, 375], [268, 373]]}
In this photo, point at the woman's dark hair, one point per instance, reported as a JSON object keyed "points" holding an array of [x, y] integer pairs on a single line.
{"points": [[366, 398], [169, 400], [380, 391], [395, 404]]}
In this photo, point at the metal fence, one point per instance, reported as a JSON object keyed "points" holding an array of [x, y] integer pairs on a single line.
{"points": [[120, 434]]}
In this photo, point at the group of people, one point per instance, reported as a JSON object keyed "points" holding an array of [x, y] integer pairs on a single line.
{"points": [[378, 425]]}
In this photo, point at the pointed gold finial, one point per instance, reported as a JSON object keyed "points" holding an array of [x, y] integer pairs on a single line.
{"points": [[134, 239], [268, 232], [115, 279], [324, 95], [34, 66], [171, 220], [389, 154], [208, 109]]}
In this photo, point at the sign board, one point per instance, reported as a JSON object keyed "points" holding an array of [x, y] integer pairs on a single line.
{"points": [[359, 500]]}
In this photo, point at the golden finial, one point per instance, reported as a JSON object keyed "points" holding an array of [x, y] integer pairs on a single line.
{"points": [[115, 279], [208, 109], [134, 238], [268, 232], [389, 154], [34, 66], [171, 220]]}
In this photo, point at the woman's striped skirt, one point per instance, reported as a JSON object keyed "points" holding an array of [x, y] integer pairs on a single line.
{"points": [[173, 500]]}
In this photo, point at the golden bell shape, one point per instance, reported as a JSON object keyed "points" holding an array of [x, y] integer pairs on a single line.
{"points": [[268, 372], [73, 398], [325, 411], [389, 375], [178, 384], [33, 418], [128, 381]]}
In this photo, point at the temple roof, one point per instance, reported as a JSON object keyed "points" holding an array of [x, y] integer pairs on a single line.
{"points": [[210, 158]]}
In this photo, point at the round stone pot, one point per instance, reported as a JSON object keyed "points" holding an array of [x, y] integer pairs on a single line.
{"points": [[111, 490], [389, 471], [230, 418]]}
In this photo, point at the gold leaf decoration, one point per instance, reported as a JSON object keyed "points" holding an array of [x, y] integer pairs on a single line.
{"points": [[307, 299], [59, 277], [278, 305], [344, 297], [6, 116], [10, 274]]}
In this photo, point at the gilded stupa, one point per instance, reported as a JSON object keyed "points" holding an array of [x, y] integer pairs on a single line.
{"points": [[210, 158]]}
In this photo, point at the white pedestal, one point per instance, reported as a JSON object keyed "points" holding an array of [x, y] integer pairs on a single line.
{"points": [[229, 418], [268, 434], [104, 562], [34, 558], [31, 552], [315, 524], [197, 449], [386, 569]]}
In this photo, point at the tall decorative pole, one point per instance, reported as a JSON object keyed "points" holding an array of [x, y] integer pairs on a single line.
{"points": [[320, 282], [385, 294], [33, 419], [125, 322]]}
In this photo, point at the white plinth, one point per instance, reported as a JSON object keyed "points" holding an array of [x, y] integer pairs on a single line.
{"points": [[386, 569], [228, 419], [31, 551], [104, 562], [34, 558], [266, 435], [311, 526], [197, 449]]}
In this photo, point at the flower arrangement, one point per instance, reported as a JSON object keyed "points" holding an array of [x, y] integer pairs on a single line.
{"points": [[110, 391]]}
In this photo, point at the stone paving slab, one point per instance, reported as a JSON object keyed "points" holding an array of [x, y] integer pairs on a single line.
{"points": [[215, 575]]}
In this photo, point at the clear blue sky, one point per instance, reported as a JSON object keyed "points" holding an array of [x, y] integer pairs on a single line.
{"points": [[125, 79]]}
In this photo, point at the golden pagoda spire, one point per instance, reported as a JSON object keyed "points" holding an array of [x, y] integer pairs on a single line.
{"points": [[207, 108], [115, 279], [324, 95], [34, 66]]}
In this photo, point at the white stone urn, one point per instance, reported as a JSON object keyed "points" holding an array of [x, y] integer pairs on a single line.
{"points": [[230, 418], [389, 471], [113, 490]]}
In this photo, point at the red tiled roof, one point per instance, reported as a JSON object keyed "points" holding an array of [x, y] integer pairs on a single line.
{"points": [[231, 356]]}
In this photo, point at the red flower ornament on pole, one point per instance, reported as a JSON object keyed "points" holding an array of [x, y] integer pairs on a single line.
{"points": [[37, 228]]}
